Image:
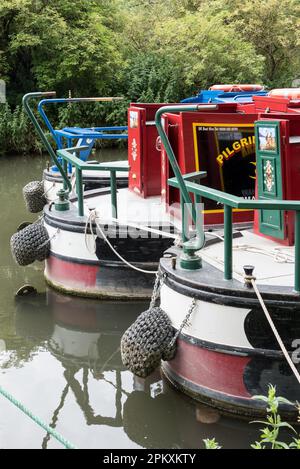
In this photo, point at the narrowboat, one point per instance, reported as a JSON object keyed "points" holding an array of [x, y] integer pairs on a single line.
{"points": [[107, 242], [233, 296]]}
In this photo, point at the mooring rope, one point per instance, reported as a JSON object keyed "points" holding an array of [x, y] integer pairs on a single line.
{"points": [[93, 217], [276, 333], [277, 254], [151, 272], [37, 420]]}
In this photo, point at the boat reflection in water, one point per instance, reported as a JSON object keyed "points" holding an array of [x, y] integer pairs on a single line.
{"points": [[84, 337]]}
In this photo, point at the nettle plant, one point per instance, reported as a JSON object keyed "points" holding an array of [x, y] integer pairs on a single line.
{"points": [[270, 434]]}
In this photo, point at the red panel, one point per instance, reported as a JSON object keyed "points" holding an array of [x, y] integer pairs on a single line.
{"points": [[172, 128], [71, 274], [145, 175], [144, 159], [136, 120], [151, 162], [218, 372], [276, 104]]}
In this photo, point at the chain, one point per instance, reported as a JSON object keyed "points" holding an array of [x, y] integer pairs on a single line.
{"points": [[184, 322], [159, 280]]}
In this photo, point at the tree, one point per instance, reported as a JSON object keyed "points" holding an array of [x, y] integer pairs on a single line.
{"points": [[209, 51], [65, 44], [272, 27]]}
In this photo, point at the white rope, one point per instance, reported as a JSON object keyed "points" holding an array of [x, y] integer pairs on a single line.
{"points": [[93, 217], [210, 233], [73, 182], [89, 223], [277, 253], [273, 327]]}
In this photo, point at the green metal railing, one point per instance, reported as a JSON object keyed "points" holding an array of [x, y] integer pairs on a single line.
{"points": [[165, 141], [26, 100], [230, 202], [68, 156]]}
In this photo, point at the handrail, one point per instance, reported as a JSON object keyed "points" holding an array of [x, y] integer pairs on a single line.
{"points": [[80, 165], [25, 101], [185, 197], [232, 201], [166, 143], [44, 102]]}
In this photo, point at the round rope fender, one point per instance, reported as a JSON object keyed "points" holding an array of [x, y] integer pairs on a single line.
{"points": [[30, 244], [34, 196], [148, 341]]}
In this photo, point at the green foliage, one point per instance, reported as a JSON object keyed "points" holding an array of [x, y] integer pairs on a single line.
{"points": [[211, 444], [270, 434], [17, 134], [272, 27], [145, 50], [269, 438], [209, 51]]}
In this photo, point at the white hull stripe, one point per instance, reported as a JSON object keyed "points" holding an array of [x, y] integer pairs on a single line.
{"points": [[71, 245], [210, 322]]}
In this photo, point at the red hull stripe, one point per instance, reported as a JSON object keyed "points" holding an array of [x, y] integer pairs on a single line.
{"points": [[215, 371], [71, 274]]}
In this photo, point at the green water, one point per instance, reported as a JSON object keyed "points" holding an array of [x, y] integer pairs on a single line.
{"points": [[60, 357]]}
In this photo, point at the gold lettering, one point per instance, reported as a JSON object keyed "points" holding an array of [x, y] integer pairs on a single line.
{"points": [[236, 146], [229, 152], [220, 160]]}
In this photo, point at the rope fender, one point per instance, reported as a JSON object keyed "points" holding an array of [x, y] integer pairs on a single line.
{"points": [[30, 244], [148, 341], [151, 338], [34, 196]]}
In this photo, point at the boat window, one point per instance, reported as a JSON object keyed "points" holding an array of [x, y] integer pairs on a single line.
{"points": [[227, 153]]}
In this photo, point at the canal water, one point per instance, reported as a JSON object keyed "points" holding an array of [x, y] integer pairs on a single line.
{"points": [[60, 357]]}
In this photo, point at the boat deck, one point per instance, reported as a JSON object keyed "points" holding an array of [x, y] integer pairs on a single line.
{"points": [[273, 262], [131, 209]]}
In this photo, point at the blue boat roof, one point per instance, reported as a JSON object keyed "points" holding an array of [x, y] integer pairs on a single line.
{"points": [[216, 96]]}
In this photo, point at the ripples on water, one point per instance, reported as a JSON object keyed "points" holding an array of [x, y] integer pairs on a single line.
{"points": [[60, 356]]}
